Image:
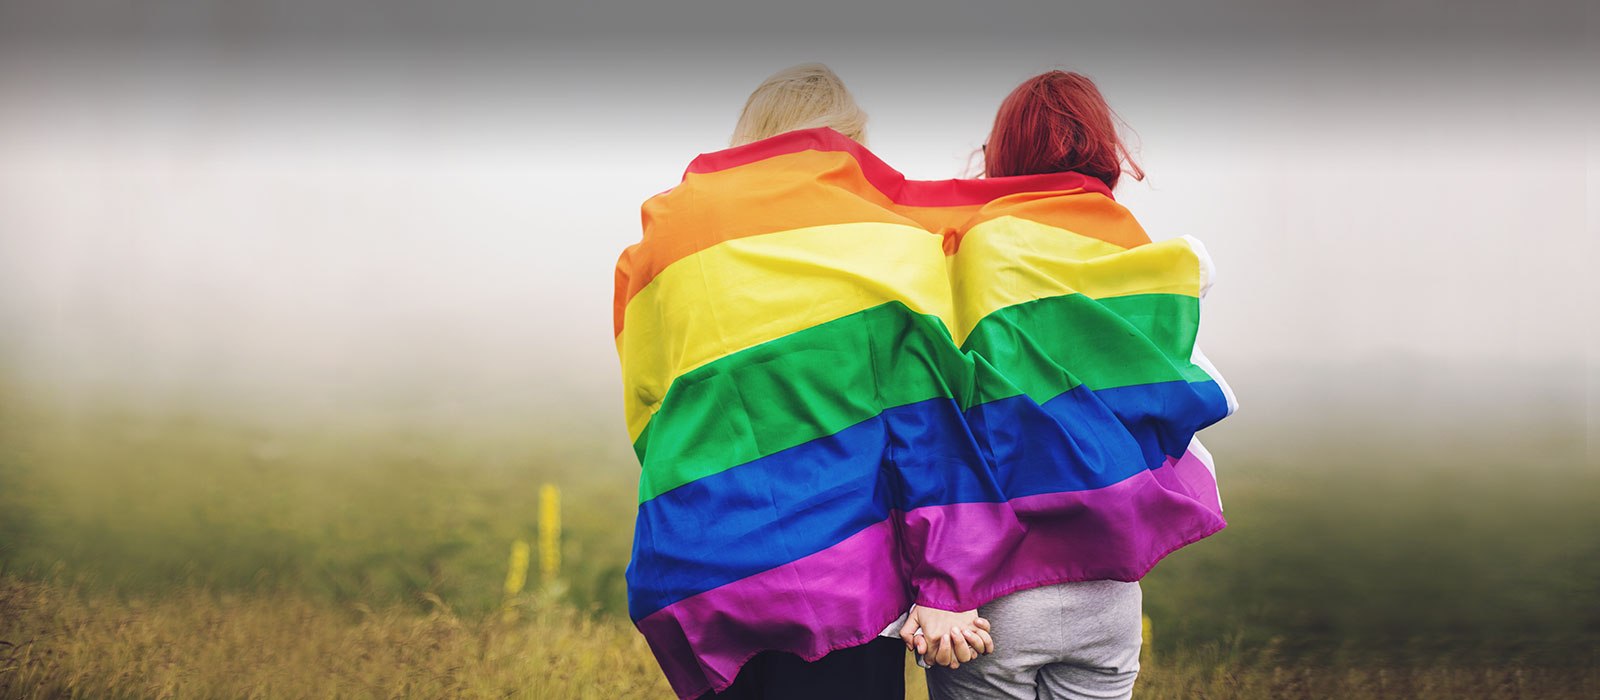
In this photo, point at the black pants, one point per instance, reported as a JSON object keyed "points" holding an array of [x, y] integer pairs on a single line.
{"points": [[872, 671]]}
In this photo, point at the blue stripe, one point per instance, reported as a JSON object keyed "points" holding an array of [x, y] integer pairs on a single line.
{"points": [[800, 501]]}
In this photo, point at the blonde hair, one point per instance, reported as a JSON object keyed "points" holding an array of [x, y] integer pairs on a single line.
{"points": [[801, 97]]}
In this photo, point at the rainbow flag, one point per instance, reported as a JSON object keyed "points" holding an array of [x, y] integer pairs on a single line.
{"points": [[850, 391]]}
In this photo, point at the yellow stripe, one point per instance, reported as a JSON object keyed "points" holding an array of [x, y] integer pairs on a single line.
{"points": [[747, 291], [1011, 261]]}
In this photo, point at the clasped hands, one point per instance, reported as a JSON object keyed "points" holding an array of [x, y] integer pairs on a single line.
{"points": [[946, 638]]}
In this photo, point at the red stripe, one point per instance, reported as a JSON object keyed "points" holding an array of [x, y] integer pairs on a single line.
{"points": [[893, 184]]}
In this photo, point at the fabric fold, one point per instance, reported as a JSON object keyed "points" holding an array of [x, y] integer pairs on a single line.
{"points": [[849, 391]]}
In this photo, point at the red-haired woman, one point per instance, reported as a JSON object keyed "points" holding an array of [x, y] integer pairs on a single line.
{"points": [[1067, 640]]}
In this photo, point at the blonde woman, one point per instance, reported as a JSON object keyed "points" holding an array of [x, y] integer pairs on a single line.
{"points": [[806, 96], [811, 96]]}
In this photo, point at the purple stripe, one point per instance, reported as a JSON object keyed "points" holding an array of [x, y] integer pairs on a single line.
{"points": [[968, 554], [1191, 477], [836, 598], [845, 595]]}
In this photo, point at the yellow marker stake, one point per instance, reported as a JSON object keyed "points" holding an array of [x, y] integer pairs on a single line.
{"points": [[1146, 652], [516, 578], [549, 533], [517, 574]]}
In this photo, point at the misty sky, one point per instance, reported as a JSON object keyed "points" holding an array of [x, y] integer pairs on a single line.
{"points": [[308, 196]]}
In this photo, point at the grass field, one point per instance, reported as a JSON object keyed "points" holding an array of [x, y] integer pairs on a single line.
{"points": [[186, 554], [199, 644]]}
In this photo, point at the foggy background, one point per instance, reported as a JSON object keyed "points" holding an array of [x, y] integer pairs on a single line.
{"points": [[309, 209]]}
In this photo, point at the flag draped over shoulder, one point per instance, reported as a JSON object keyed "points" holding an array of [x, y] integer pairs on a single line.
{"points": [[850, 392]]}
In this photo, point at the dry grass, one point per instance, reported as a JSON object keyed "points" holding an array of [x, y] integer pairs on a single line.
{"points": [[58, 644]]}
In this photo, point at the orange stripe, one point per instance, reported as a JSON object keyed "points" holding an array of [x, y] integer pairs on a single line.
{"points": [[674, 228], [1088, 214]]}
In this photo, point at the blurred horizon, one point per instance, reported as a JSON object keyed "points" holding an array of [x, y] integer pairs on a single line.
{"points": [[301, 203]]}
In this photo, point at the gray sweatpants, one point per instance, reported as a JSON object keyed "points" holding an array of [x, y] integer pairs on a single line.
{"points": [[1069, 640]]}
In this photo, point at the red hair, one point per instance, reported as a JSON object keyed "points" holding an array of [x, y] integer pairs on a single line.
{"points": [[1057, 122]]}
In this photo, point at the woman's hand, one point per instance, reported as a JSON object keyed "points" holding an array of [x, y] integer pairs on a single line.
{"points": [[950, 638]]}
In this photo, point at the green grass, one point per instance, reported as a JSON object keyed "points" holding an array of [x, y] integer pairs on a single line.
{"points": [[1350, 568], [1391, 558], [139, 503]]}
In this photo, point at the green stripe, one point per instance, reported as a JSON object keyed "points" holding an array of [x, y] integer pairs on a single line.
{"points": [[816, 382], [1146, 338], [803, 386]]}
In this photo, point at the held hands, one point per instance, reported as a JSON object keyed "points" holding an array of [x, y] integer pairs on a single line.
{"points": [[947, 638]]}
